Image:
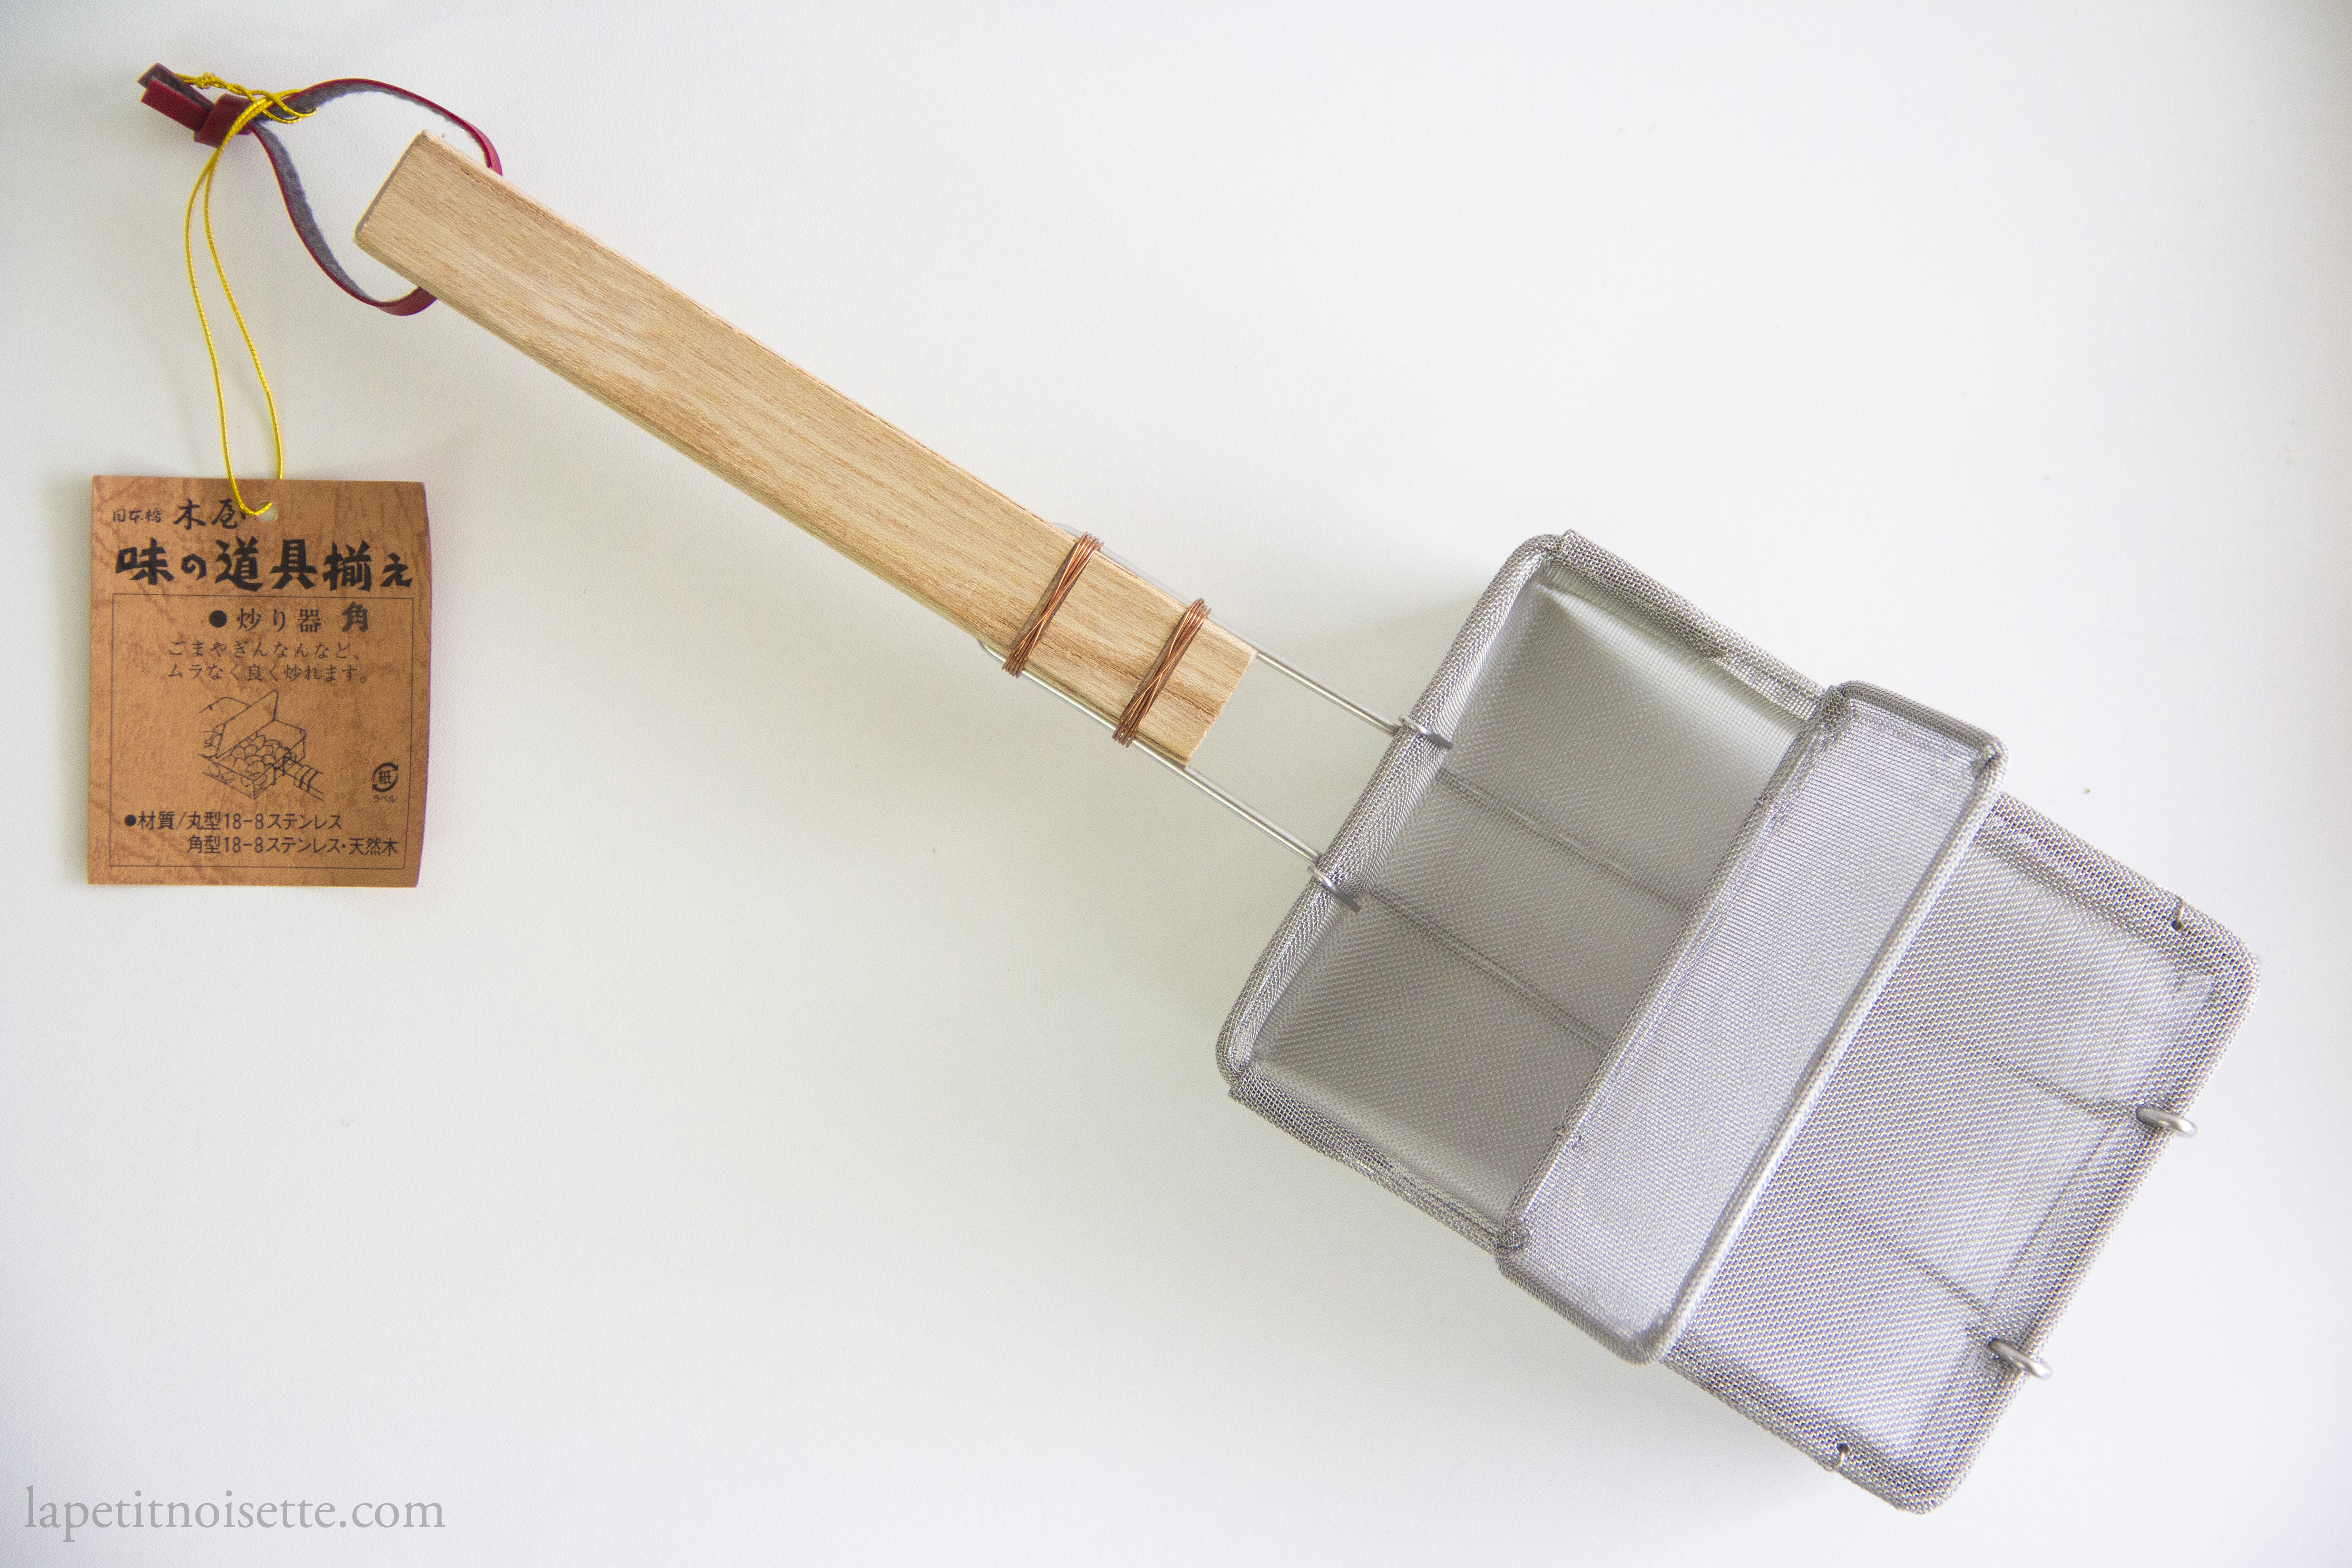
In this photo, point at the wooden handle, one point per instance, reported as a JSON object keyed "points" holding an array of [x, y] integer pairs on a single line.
{"points": [[771, 429]]}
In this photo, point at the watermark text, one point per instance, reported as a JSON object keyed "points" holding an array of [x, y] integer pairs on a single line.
{"points": [[140, 1511]]}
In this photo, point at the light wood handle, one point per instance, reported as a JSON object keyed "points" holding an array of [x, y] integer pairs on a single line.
{"points": [[766, 426]]}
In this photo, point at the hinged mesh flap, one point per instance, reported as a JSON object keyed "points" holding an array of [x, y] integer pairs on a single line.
{"points": [[1967, 1158], [1840, 859]]}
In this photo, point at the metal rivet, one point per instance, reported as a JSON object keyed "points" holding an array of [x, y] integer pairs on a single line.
{"points": [[1330, 884], [2155, 1118], [1409, 727], [2019, 1358]]}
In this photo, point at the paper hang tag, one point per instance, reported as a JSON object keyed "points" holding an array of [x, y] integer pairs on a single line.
{"points": [[258, 686]]}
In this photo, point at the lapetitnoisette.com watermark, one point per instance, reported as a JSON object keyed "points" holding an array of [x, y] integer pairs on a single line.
{"points": [[139, 1511]]}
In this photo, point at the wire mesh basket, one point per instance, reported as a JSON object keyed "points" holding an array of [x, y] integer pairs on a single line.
{"points": [[1747, 1023]]}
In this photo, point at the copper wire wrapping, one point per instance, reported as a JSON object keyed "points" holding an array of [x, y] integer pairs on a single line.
{"points": [[1148, 693], [1017, 659]]}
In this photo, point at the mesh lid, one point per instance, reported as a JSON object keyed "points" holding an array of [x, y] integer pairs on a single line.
{"points": [[2009, 1088], [1839, 860]]}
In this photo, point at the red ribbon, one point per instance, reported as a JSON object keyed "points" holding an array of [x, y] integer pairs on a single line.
{"points": [[211, 118]]}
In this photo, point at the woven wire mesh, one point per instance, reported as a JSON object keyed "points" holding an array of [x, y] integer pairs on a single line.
{"points": [[1842, 856], [1967, 1158], [1699, 997]]}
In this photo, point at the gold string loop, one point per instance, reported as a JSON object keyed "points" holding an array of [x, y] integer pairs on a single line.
{"points": [[275, 106]]}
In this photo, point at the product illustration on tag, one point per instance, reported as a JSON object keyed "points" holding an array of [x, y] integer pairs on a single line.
{"points": [[251, 749]]}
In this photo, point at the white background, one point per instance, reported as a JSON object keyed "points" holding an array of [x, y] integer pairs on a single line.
{"points": [[783, 1124]]}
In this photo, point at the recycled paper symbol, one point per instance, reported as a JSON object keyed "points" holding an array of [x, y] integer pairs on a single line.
{"points": [[249, 748]]}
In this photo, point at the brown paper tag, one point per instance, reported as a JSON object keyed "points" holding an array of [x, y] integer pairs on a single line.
{"points": [[258, 686]]}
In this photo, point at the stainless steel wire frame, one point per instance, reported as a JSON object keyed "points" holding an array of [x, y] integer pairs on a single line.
{"points": [[1218, 793]]}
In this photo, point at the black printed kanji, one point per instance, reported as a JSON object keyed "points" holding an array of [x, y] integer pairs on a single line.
{"points": [[148, 565], [349, 569], [396, 573], [244, 570], [294, 562]]}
